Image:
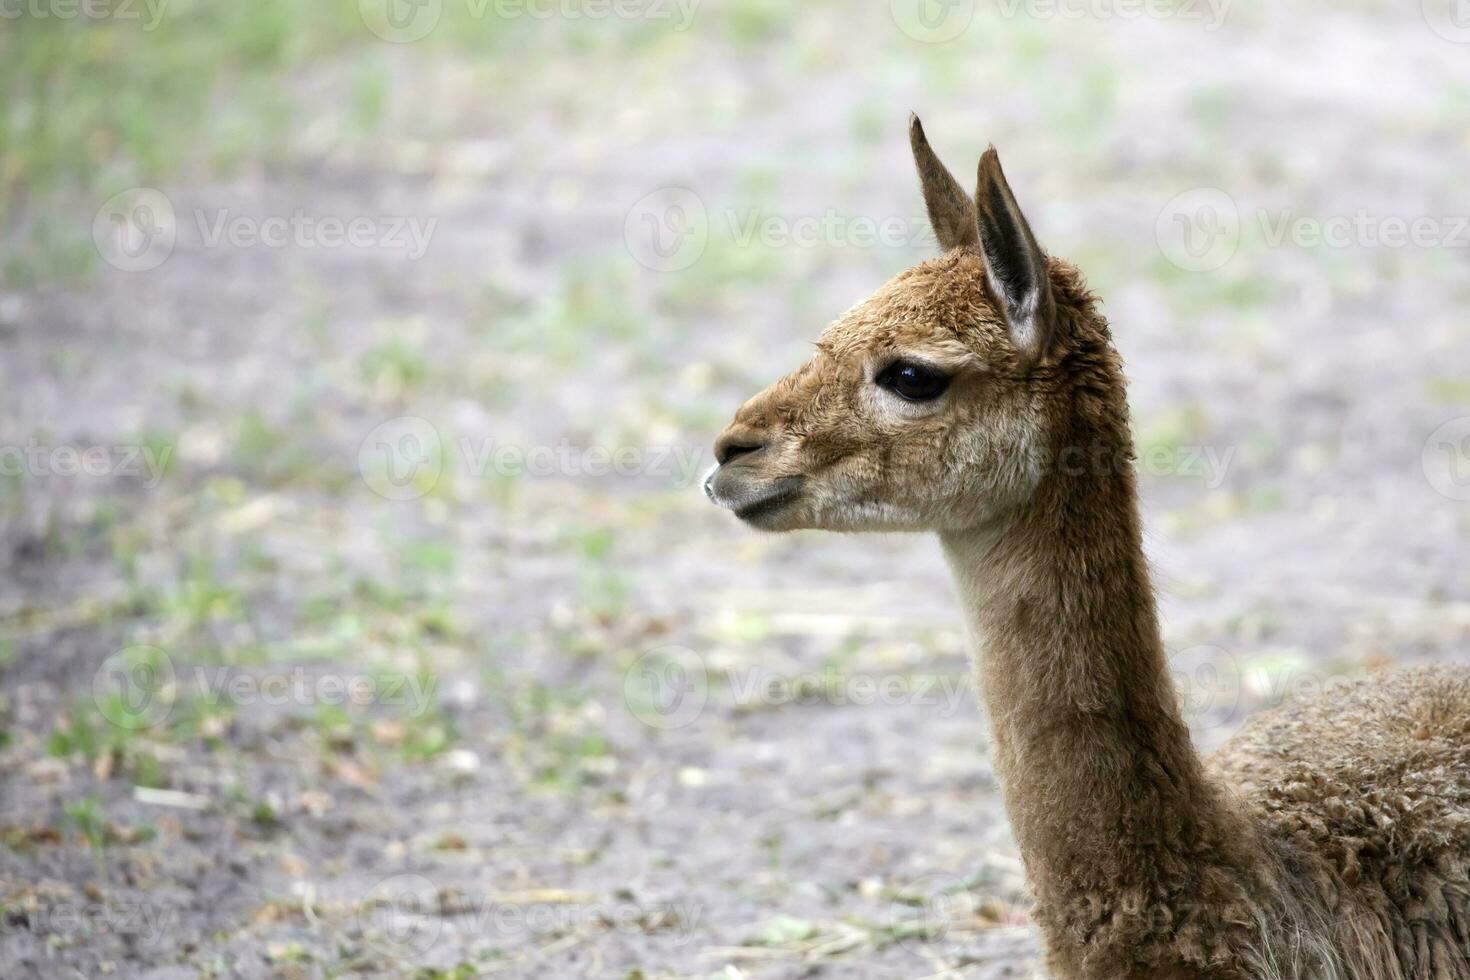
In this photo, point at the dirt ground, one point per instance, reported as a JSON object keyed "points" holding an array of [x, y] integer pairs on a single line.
{"points": [[360, 613]]}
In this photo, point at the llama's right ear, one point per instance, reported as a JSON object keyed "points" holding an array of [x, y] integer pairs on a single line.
{"points": [[1015, 266], [951, 211]]}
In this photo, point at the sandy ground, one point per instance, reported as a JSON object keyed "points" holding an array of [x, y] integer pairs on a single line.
{"points": [[603, 731]]}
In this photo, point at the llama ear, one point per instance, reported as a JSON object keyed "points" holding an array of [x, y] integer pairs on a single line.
{"points": [[951, 211], [1015, 266]]}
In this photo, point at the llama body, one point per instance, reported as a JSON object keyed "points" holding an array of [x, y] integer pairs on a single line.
{"points": [[979, 396], [1368, 787]]}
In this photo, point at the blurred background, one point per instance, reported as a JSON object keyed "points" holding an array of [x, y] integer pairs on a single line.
{"points": [[360, 613]]}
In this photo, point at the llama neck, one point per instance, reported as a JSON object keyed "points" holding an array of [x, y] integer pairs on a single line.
{"points": [[1095, 761]]}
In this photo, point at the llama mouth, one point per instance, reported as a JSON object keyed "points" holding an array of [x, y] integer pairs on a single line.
{"points": [[781, 494]]}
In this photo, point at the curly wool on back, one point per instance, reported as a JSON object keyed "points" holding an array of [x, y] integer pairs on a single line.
{"points": [[1366, 789]]}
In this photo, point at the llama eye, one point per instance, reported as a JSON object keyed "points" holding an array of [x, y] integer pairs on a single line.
{"points": [[914, 382]]}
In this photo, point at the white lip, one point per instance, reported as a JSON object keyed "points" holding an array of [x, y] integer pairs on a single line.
{"points": [[751, 499], [709, 485]]}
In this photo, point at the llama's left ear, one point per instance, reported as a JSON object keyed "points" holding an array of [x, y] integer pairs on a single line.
{"points": [[1015, 266], [951, 212]]}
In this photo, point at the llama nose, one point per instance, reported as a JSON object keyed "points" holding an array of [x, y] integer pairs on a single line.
{"points": [[734, 444]]}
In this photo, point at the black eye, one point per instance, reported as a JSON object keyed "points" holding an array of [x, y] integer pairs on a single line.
{"points": [[915, 382]]}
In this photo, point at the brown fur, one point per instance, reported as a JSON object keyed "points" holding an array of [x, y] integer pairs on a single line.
{"points": [[1330, 839]]}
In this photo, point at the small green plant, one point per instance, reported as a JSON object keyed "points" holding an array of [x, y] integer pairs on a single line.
{"points": [[462, 971], [89, 819], [395, 366], [430, 734], [80, 733], [602, 585], [555, 744], [272, 454]]}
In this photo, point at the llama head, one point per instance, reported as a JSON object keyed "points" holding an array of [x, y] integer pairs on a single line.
{"points": [[925, 406]]}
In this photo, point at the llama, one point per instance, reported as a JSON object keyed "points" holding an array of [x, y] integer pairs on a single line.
{"points": [[978, 395]]}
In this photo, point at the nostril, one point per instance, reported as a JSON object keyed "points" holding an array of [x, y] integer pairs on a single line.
{"points": [[729, 448], [731, 451]]}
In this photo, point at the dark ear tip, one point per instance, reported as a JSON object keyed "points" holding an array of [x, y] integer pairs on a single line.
{"points": [[990, 160], [916, 128]]}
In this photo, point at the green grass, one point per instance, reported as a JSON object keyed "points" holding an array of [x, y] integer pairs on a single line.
{"points": [[94, 106], [87, 732], [1444, 390], [397, 365], [1236, 287], [89, 819], [594, 303], [554, 739]]}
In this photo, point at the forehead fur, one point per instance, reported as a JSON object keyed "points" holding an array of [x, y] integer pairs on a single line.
{"points": [[939, 305]]}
